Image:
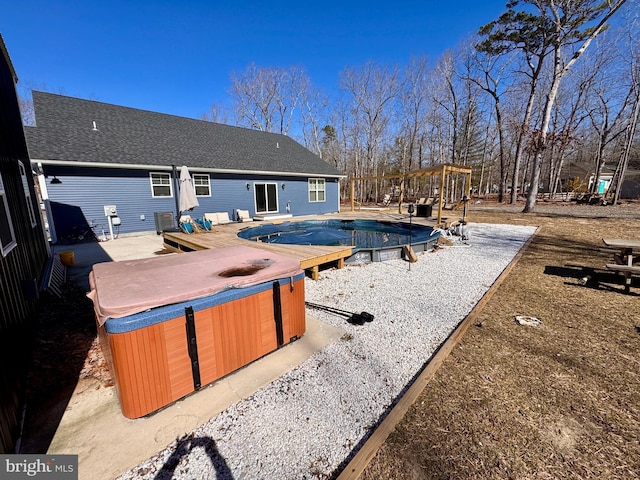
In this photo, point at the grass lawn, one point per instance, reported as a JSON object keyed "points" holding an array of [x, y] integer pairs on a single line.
{"points": [[557, 400]]}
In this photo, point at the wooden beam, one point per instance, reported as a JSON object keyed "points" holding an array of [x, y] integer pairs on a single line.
{"points": [[441, 193], [325, 258], [314, 272], [353, 189]]}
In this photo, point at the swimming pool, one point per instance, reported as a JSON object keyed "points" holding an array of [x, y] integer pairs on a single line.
{"points": [[372, 240]]}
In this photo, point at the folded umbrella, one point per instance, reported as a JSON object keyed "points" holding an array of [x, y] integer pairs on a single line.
{"points": [[188, 199]]}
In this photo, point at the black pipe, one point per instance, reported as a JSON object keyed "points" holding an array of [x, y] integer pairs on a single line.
{"points": [[176, 192], [358, 318]]}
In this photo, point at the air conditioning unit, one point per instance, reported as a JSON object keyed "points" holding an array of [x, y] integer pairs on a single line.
{"points": [[164, 221]]}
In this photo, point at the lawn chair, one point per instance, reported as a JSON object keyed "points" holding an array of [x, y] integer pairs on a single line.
{"points": [[243, 216], [187, 225]]}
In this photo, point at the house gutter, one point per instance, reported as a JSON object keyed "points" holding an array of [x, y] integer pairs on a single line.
{"points": [[168, 168]]}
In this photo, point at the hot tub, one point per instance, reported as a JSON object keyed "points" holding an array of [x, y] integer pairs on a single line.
{"points": [[169, 325]]}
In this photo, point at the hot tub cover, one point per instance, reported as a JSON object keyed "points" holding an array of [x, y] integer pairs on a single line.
{"points": [[119, 289]]}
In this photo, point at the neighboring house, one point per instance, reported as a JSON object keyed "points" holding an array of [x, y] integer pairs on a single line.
{"points": [[93, 154], [23, 257], [630, 186]]}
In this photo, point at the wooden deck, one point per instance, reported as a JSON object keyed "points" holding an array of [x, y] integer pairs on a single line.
{"points": [[311, 257]]}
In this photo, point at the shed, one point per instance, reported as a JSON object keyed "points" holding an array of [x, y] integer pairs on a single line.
{"points": [[23, 256]]}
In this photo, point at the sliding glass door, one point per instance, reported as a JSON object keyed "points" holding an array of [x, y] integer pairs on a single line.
{"points": [[266, 197]]}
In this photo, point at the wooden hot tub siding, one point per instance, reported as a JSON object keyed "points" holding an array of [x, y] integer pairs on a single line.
{"points": [[152, 367]]}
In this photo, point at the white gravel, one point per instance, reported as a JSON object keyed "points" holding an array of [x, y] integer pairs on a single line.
{"points": [[307, 423]]}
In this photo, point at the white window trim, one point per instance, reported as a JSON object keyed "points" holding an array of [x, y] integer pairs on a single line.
{"points": [[255, 198], [153, 195], [194, 175], [317, 181], [27, 194], [4, 203]]}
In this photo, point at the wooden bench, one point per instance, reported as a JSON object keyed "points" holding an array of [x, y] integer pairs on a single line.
{"points": [[627, 270], [618, 256], [631, 270]]}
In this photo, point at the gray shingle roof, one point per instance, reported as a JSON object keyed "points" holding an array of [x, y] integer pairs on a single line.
{"points": [[65, 132]]}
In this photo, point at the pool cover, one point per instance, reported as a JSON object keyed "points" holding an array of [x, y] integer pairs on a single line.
{"points": [[355, 233]]}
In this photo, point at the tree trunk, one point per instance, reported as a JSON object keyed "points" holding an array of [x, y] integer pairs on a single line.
{"points": [[627, 149]]}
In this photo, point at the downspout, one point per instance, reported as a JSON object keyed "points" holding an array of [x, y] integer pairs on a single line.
{"points": [[176, 184], [44, 193]]}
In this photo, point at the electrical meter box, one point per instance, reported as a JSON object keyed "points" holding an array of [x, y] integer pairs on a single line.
{"points": [[110, 211]]}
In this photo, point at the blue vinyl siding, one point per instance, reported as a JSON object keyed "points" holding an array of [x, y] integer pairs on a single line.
{"points": [[87, 190]]}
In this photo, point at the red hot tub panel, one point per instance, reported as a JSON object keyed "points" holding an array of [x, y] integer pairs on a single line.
{"points": [[169, 325]]}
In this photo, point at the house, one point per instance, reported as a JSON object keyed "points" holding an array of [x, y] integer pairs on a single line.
{"points": [[574, 173], [93, 155], [24, 253]]}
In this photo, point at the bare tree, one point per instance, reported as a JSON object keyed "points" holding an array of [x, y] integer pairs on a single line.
{"points": [[557, 26], [373, 90], [489, 69], [413, 104], [632, 56], [268, 99], [217, 113], [565, 20], [519, 31], [569, 114], [313, 106], [414, 101], [445, 94]]}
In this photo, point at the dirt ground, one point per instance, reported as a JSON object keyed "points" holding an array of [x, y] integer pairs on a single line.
{"points": [[557, 400]]}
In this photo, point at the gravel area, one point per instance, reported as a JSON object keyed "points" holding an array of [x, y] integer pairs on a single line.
{"points": [[307, 423]]}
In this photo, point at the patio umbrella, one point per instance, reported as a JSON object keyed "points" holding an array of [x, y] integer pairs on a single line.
{"points": [[188, 200]]}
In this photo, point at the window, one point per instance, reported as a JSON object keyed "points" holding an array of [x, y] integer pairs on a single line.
{"points": [[7, 236], [201, 184], [161, 185], [266, 197], [317, 190], [27, 194]]}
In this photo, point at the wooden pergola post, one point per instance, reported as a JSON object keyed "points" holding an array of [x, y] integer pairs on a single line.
{"points": [[443, 175], [352, 188]]}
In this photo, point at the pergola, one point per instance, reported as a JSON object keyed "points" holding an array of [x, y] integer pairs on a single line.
{"points": [[442, 170]]}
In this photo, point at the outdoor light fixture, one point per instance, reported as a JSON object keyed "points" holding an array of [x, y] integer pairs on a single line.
{"points": [[248, 186], [55, 180], [283, 186]]}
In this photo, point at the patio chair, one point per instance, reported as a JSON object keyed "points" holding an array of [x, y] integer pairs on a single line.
{"points": [[204, 224], [223, 217], [217, 218], [212, 218], [187, 225], [243, 216]]}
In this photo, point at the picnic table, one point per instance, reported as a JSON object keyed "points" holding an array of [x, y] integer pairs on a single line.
{"points": [[626, 252]]}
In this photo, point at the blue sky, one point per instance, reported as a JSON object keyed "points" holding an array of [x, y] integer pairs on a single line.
{"points": [[176, 56]]}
